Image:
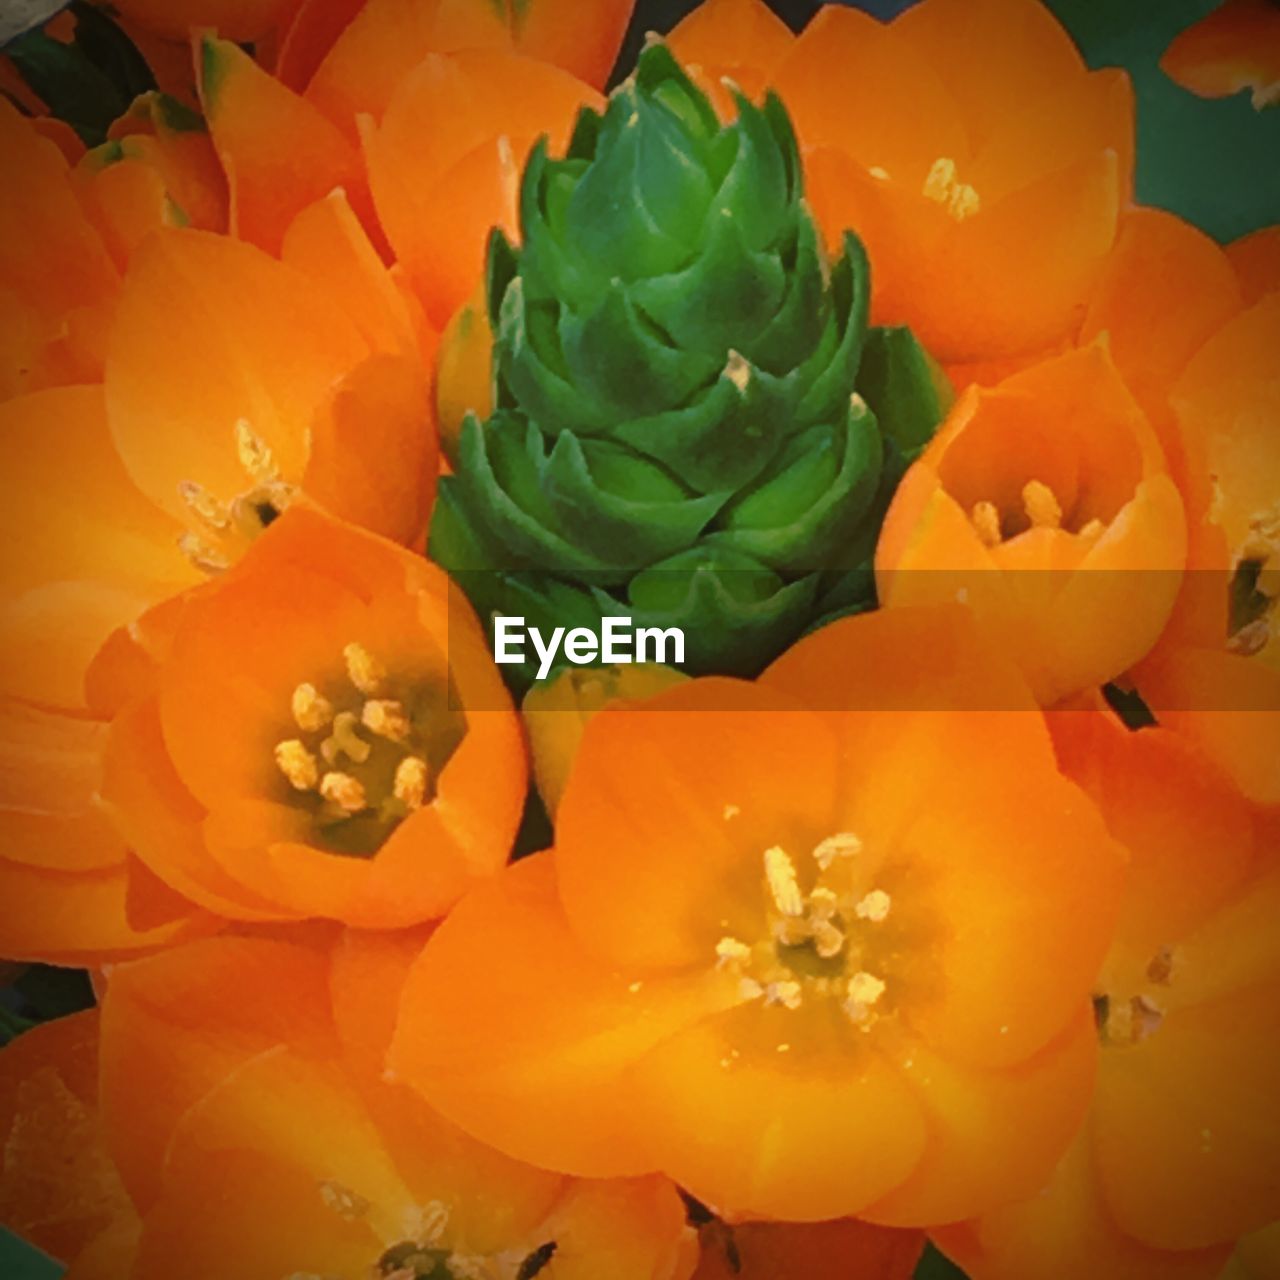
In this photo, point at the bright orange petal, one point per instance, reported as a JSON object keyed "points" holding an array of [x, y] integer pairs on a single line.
{"points": [[1256, 260], [1232, 49], [279, 152], [511, 1029]]}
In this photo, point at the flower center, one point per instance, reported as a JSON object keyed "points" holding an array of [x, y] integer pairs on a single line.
{"points": [[1040, 510], [221, 532], [367, 753], [942, 186], [821, 943]]}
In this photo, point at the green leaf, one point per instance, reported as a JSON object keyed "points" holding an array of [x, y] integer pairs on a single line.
{"points": [[74, 89], [903, 385]]}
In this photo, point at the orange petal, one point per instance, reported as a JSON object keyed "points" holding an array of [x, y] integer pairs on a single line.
{"points": [[84, 918], [279, 152], [992, 1134], [176, 1025], [760, 1135], [95, 551], [1165, 289], [1066, 1230], [327, 242], [1232, 49], [1256, 259], [501, 1030], [50, 256], [263, 342], [741, 40], [497, 105], [686, 792], [1185, 1162], [373, 450]]}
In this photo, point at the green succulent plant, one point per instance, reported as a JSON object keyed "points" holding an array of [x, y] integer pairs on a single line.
{"points": [[693, 424]]}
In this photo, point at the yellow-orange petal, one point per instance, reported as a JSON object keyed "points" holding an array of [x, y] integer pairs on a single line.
{"points": [[373, 450], [279, 152], [1066, 1230], [514, 1031]]}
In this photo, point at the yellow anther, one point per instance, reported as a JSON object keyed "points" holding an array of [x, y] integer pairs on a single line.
{"points": [[940, 179], [255, 454], [828, 940], [943, 187], [297, 764], [199, 553], [780, 875], [1092, 531], [788, 994], [730, 951], [363, 669], [731, 811], [1042, 505], [1251, 639], [750, 989], [344, 740], [203, 505], [343, 1201], [311, 711], [844, 844], [737, 370], [425, 1224], [386, 718], [874, 907], [410, 785], [344, 791], [986, 523], [879, 174], [864, 992]]}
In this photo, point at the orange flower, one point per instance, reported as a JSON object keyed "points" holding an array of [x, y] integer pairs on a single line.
{"points": [[497, 105], [830, 949], [1045, 503], [211, 1054], [802, 1251], [1181, 1152], [1236, 47], [982, 164], [318, 732]]}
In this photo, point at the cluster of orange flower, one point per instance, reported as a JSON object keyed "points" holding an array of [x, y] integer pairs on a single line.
{"points": [[912, 937]]}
